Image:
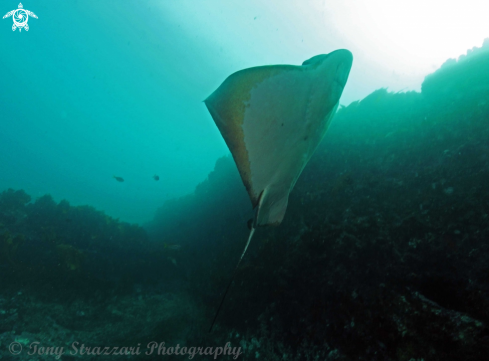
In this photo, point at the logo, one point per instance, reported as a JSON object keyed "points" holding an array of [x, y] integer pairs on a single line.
{"points": [[20, 17]]}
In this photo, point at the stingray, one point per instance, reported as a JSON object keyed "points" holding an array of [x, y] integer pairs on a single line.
{"points": [[272, 119]]}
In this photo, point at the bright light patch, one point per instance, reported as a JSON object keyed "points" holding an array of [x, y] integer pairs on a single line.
{"points": [[411, 36]]}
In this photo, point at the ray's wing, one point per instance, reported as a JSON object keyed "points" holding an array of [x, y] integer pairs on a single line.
{"points": [[272, 119], [32, 14], [10, 13]]}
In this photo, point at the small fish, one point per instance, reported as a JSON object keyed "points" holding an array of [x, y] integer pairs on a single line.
{"points": [[172, 260], [173, 247], [119, 179], [156, 177]]}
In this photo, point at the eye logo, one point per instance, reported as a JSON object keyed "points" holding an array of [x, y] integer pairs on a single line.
{"points": [[20, 17]]}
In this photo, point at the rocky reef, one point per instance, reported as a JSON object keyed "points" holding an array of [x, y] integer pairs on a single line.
{"points": [[383, 252], [73, 276]]}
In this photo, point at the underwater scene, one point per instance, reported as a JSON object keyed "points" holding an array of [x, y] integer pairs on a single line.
{"points": [[244, 180]]}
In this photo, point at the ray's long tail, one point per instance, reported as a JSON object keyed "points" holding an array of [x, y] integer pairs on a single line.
{"points": [[232, 278]]}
